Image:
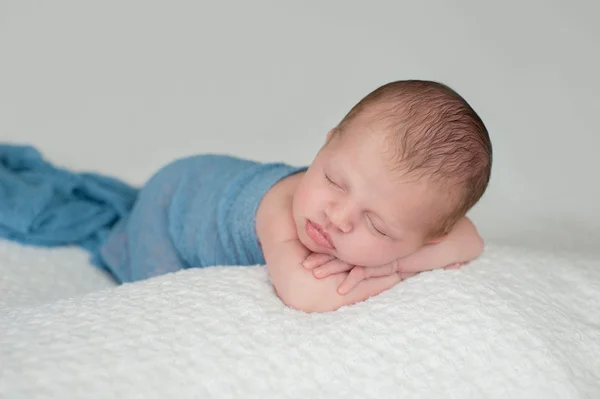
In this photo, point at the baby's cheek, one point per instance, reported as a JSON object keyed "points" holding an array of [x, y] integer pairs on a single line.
{"points": [[299, 204], [308, 198], [365, 252]]}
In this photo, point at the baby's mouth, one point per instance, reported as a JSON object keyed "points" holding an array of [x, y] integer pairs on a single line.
{"points": [[317, 234]]}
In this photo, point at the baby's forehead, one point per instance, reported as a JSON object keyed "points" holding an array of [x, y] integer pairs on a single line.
{"points": [[374, 148], [375, 169]]}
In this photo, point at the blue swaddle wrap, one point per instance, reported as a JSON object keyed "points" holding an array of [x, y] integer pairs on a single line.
{"points": [[195, 212]]}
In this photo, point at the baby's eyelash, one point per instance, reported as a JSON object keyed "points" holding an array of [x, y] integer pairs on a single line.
{"points": [[330, 181], [376, 229]]}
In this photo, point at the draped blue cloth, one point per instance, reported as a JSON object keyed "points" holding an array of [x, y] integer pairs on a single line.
{"points": [[198, 211]]}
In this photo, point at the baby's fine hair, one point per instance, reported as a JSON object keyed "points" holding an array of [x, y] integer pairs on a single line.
{"points": [[434, 133]]}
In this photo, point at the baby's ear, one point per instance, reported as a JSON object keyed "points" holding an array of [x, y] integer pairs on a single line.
{"points": [[331, 134]]}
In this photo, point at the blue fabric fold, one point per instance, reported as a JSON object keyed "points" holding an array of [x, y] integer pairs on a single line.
{"points": [[41, 204], [195, 212]]}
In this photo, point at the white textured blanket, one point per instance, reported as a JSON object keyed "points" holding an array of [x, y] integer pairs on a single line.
{"points": [[514, 324]]}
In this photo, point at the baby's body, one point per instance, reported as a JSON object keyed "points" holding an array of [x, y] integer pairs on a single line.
{"points": [[384, 198]]}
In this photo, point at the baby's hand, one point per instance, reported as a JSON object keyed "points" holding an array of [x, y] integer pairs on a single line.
{"points": [[359, 273], [324, 265]]}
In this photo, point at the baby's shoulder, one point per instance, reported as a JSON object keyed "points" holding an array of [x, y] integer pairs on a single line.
{"points": [[282, 192], [274, 217]]}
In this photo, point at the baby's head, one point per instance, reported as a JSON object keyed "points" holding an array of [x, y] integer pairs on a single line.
{"points": [[402, 167]]}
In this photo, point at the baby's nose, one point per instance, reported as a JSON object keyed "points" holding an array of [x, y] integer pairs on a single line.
{"points": [[345, 226], [340, 218]]}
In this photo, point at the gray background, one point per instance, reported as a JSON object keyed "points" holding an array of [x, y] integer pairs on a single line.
{"points": [[122, 87]]}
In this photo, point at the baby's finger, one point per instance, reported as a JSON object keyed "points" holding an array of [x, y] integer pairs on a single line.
{"points": [[356, 275], [333, 267], [316, 259], [404, 276], [379, 271], [454, 266]]}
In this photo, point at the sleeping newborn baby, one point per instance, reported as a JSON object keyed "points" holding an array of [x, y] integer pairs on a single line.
{"points": [[385, 198]]}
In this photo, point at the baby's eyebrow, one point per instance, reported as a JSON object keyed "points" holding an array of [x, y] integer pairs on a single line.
{"points": [[342, 178]]}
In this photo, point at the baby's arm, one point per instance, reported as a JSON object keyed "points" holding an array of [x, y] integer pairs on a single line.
{"points": [[298, 289], [461, 245]]}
